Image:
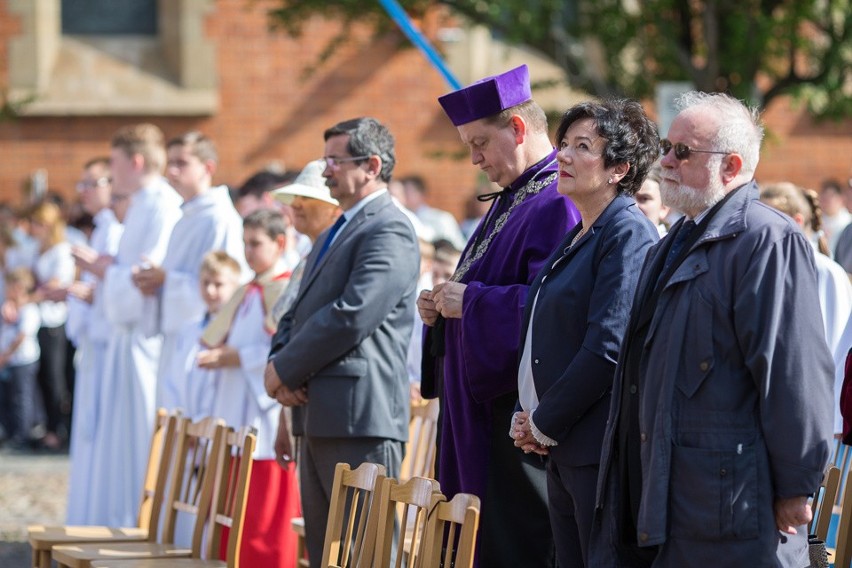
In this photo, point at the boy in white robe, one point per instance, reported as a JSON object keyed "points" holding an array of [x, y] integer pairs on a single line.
{"points": [[237, 344], [127, 396], [209, 222], [219, 279], [89, 330]]}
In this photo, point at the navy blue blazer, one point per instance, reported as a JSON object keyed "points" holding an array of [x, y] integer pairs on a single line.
{"points": [[584, 297]]}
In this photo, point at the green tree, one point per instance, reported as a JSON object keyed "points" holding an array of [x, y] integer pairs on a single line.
{"points": [[755, 49]]}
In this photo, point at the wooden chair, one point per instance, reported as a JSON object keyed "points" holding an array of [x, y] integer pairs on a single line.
{"points": [[415, 499], [822, 505], [350, 534], [44, 538], [843, 550], [419, 460], [451, 532], [199, 451], [230, 493]]}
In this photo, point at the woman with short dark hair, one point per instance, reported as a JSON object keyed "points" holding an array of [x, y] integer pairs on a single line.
{"points": [[579, 305]]}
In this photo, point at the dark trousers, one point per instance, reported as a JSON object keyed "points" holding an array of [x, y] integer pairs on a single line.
{"points": [[571, 494], [317, 460], [17, 406], [514, 526], [51, 378]]}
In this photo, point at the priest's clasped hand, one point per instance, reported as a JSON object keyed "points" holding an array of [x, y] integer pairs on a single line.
{"points": [[426, 306], [448, 298]]}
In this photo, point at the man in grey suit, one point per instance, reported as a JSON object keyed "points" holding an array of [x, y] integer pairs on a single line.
{"points": [[340, 349], [721, 410]]}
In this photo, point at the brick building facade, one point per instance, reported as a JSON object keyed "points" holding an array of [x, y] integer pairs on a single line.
{"points": [[259, 105]]}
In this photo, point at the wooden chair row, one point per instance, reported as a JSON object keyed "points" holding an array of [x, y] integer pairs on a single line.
{"points": [[201, 469], [365, 521]]}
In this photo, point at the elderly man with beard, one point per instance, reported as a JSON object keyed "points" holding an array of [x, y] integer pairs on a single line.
{"points": [[722, 404]]}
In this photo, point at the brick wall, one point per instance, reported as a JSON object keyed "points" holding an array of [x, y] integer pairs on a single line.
{"points": [[270, 111]]}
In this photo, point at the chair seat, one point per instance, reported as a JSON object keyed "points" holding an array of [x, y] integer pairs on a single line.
{"points": [[41, 536], [160, 563], [81, 556]]}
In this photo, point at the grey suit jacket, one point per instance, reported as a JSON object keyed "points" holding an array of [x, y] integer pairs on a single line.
{"points": [[345, 336]]}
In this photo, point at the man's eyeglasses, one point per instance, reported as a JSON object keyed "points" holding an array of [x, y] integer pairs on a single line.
{"points": [[681, 150], [334, 163], [92, 184]]}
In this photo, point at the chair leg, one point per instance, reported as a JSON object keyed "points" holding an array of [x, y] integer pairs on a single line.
{"points": [[43, 559]]}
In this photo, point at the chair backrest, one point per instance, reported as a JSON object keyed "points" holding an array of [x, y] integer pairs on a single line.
{"points": [[419, 460], [350, 534], [842, 460], [822, 504], [451, 532], [230, 494], [415, 496], [160, 459], [843, 553], [200, 446]]}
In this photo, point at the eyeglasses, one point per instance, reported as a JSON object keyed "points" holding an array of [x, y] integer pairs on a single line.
{"points": [[681, 150], [92, 184], [334, 163]]}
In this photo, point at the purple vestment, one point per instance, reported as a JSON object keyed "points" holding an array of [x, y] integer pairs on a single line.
{"points": [[481, 348]]}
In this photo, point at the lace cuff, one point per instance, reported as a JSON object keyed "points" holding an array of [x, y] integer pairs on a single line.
{"points": [[512, 425], [540, 437]]}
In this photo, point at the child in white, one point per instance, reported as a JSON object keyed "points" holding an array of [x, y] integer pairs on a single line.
{"points": [[19, 354], [237, 345], [219, 278]]}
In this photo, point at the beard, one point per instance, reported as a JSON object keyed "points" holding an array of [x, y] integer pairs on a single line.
{"points": [[692, 200]]}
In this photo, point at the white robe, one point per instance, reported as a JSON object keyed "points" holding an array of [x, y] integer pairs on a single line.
{"points": [[238, 393], [835, 300], [197, 393], [130, 374], [55, 264], [88, 328], [209, 223]]}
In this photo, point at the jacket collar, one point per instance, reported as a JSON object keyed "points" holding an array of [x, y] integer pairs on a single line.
{"points": [[370, 209], [620, 202], [731, 218]]}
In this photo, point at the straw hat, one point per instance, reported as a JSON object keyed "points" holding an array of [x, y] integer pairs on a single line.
{"points": [[309, 183]]}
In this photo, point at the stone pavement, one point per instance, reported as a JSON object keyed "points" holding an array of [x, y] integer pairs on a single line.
{"points": [[33, 490]]}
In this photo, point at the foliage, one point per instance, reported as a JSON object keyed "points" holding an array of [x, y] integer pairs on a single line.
{"points": [[755, 49], [9, 109]]}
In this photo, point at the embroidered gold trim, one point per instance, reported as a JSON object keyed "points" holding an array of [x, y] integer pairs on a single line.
{"points": [[531, 188]]}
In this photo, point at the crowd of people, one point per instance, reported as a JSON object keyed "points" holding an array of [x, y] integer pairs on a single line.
{"points": [[637, 349]]}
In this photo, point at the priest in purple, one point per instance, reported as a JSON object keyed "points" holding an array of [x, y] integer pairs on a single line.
{"points": [[473, 321]]}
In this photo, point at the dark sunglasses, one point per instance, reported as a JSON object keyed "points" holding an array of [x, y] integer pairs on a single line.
{"points": [[681, 150]]}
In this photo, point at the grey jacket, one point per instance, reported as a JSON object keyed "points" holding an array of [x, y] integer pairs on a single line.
{"points": [[347, 332], [735, 407]]}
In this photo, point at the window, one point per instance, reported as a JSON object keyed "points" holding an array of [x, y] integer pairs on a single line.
{"points": [[109, 17], [113, 57]]}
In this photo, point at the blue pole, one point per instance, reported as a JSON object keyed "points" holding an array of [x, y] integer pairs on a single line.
{"points": [[399, 16]]}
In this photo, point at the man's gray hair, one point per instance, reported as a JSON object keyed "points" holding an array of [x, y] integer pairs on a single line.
{"points": [[740, 129]]}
